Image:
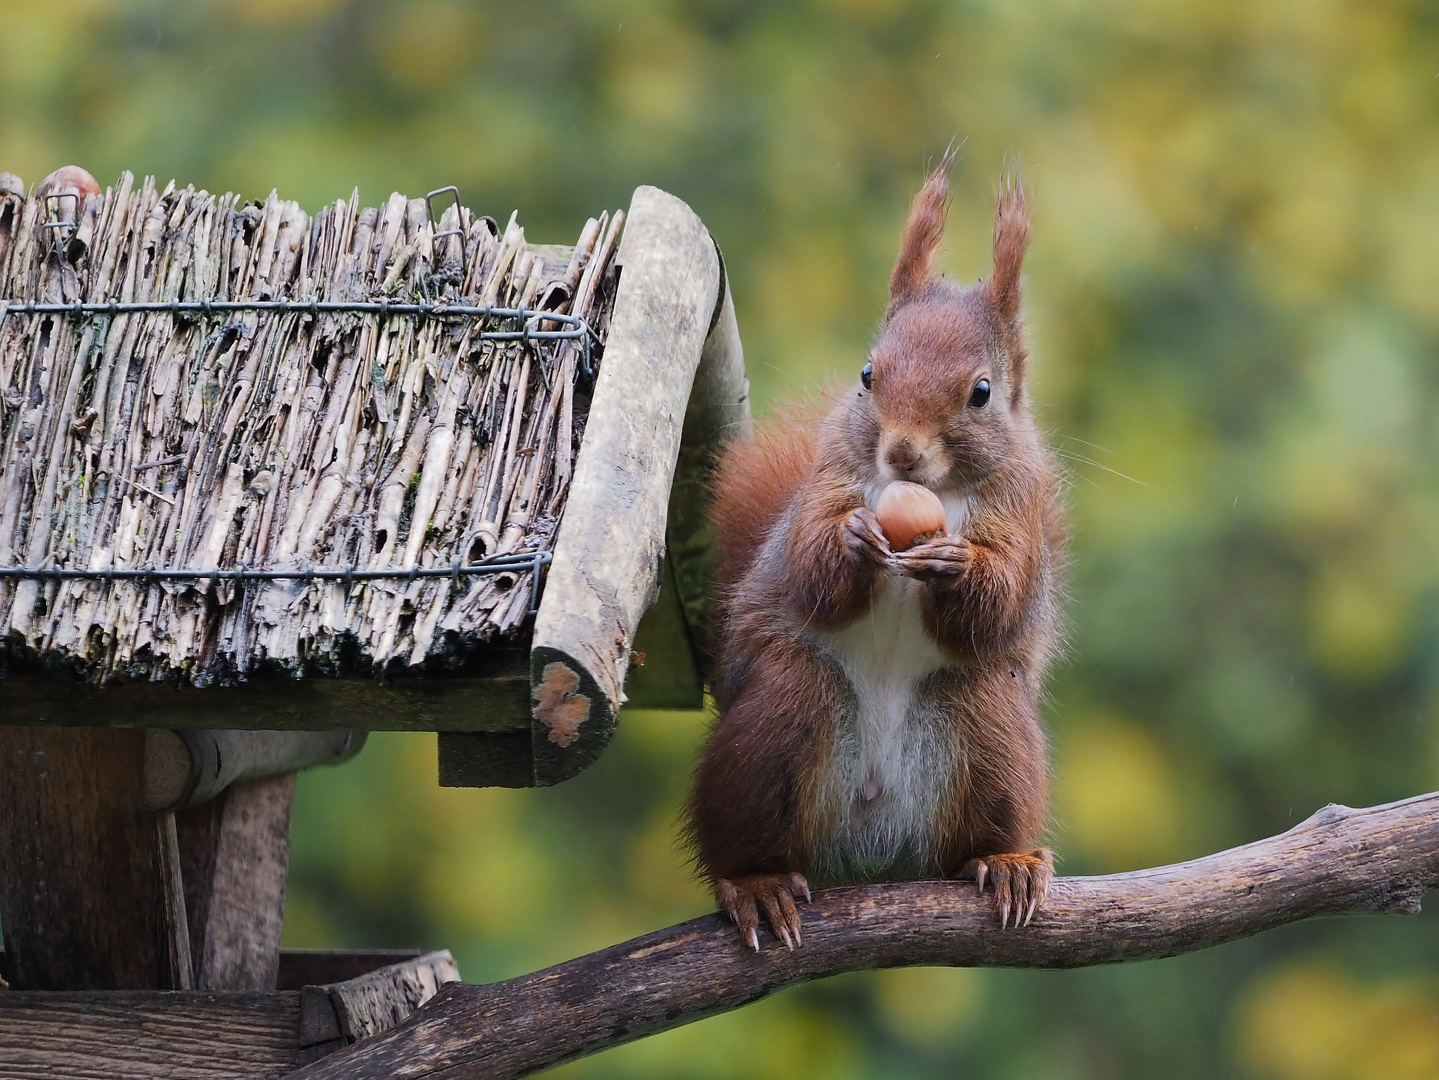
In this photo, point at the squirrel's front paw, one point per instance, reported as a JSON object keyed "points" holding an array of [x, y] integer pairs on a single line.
{"points": [[742, 897], [935, 561], [863, 537], [1020, 882]]}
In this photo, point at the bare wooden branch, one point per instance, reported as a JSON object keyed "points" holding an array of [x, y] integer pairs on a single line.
{"points": [[1380, 859]]}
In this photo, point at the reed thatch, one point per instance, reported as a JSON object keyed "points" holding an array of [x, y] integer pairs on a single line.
{"points": [[285, 439]]}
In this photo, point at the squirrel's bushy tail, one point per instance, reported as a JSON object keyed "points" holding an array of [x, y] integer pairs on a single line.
{"points": [[755, 479]]}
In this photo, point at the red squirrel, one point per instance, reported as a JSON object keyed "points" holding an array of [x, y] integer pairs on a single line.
{"points": [[878, 709]]}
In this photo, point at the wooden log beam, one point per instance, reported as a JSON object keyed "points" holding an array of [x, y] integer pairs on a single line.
{"points": [[610, 547], [1380, 859], [185, 768]]}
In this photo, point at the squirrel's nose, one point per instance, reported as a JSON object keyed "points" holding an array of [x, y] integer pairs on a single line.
{"points": [[901, 454]]}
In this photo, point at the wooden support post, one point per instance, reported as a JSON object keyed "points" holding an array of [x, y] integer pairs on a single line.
{"points": [[99, 893], [90, 890], [235, 854]]}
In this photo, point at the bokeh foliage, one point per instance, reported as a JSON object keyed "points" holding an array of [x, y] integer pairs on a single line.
{"points": [[1232, 294]]}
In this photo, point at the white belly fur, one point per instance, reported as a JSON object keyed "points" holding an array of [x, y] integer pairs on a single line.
{"points": [[888, 774]]}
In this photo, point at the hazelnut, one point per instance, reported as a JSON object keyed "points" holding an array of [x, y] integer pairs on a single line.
{"points": [[909, 512]]}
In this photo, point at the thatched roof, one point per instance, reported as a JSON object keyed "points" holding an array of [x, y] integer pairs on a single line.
{"points": [[191, 383]]}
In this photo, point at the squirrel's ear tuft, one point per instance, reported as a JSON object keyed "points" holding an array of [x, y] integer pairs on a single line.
{"points": [[1011, 239], [922, 235]]}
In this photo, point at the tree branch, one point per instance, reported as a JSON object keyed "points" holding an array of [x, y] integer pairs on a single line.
{"points": [[1381, 859]]}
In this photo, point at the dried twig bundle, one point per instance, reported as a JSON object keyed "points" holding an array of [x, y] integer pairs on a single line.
{"points": [[337, 416]]}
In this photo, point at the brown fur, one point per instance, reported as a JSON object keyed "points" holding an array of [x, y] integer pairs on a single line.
{"points": [[755, 479], [804, 561]]}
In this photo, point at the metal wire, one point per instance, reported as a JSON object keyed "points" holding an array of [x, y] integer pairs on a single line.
{"points": [[578, 329], [532, 561]]}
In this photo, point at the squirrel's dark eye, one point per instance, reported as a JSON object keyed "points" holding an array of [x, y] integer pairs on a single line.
{"points": [[866, 376], [980, 398]]}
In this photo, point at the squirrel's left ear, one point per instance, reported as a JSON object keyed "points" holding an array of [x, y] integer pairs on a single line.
{"points": [[1011, 240], [922, 235]]}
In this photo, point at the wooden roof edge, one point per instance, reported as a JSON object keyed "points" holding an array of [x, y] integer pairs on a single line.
{"points": [[673, 351]]}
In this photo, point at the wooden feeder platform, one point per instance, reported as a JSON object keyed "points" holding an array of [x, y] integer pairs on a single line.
{"points": [[269, 482]]}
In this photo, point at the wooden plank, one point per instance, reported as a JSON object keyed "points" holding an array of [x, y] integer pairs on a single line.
{"points": [[668, 676], [379, 1000], [608, 553], [90, 893], [235, 852], [311, 967], [673, 635], [718, 411], [193, 1035], [135, 1035], [499, 702]]}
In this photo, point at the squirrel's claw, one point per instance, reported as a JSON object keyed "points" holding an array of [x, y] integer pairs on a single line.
{"points": [[864, 538], [742, 899], [1021, 882], [934, 560]]}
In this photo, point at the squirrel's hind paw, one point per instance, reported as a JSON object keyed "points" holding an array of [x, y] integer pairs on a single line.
{"points": [[1020, 882], [742, 899]]}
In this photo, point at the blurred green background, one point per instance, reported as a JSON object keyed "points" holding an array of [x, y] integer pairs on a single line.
{"points": [[1232, 295]]}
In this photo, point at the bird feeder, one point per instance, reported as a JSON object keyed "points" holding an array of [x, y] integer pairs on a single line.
{"points": [[270, 481]]}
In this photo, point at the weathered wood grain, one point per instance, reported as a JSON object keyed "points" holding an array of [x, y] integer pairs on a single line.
{"points": [[235, 856], [498, 702], [90, 893], [1340, 860], [134, 1035], [192, 1035], [610, 544], [378, 1000]]}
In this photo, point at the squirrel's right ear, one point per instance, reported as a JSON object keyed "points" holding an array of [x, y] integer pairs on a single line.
{"points": [[922, 235]]}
